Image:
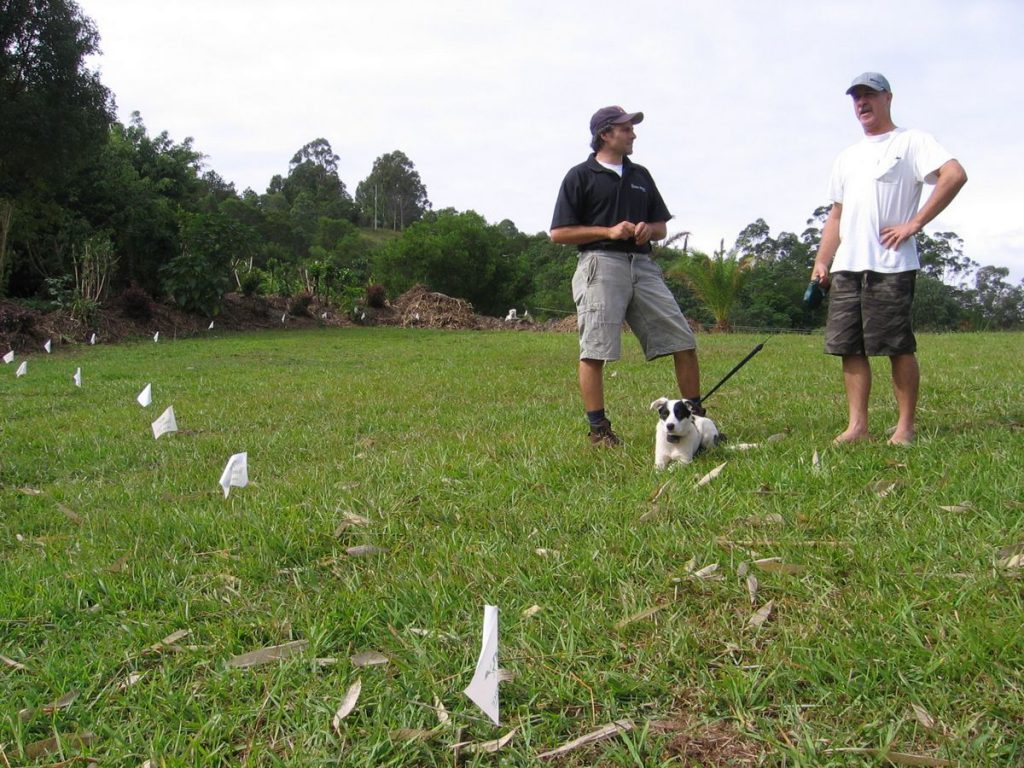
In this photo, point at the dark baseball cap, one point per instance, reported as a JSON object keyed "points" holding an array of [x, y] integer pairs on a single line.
{"points": [[613, 116], [873, 80]]}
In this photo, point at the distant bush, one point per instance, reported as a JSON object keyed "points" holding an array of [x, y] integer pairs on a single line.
{"points": [[61, 291], [250, 282], [16, 321], [376, 296], [85, 310], [299, 304], [195, 283], [136, 303]]}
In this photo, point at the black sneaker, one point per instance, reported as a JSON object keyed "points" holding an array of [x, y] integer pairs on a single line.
{"points": [[696, 408], [602, 434]]}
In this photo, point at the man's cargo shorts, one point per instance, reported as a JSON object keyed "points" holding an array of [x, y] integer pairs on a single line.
{"points": [[610, 287]]}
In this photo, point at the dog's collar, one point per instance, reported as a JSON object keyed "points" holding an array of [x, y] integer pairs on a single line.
{"points": [[672, 438]]}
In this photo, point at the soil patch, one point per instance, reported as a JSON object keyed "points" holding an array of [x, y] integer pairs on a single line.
{"points": [[24, 329], [721, 743]]}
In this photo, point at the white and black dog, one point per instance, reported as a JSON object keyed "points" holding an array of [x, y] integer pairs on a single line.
{"points": [[681, 434]]}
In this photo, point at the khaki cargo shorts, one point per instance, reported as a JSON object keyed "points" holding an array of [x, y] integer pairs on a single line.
{"points": [[610, 287], [869, 314]]}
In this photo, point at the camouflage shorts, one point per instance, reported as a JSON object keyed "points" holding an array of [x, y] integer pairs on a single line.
{"points": [[869, 314]]}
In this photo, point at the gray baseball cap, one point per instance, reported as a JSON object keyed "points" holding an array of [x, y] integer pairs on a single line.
{"points": [[613, 116], [873, 80]]}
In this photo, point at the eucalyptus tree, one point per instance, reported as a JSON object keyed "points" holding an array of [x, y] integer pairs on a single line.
{"points": [[313, 176], [393, 195]]}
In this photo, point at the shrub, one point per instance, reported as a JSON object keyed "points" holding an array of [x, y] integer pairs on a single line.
{"points": [[135, 303], [376, 296], [16, 321], [250, 282], [85, 310], [298, 305], [61, 291], [195, 283]]}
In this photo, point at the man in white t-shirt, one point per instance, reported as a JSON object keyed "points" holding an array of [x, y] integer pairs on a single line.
{"points": [[868, 253]]}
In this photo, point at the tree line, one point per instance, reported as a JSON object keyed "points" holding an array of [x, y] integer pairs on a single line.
{"points": [[93, 210]]}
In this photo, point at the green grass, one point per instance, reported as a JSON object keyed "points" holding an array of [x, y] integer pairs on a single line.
{"points": [[466, 451]]}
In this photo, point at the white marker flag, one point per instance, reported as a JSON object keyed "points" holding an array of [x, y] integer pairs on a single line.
{"points": [[156, 337], [22, 369], [9, 357], [236, 473], [483, 688], [165, 423], [92, 339], [211, 326], [77, 378], [284, 317], [47, 346], [145, 396]]}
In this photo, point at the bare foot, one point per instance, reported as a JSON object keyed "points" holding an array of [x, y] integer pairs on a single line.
{"points": [[902, 438], [851, 436]]}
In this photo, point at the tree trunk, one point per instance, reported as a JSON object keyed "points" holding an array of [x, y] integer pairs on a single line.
{"points": [[6, 214]]}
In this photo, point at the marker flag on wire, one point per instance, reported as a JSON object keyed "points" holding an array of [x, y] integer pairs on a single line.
{"points": [[92, 339], [284, 317], [165, 423], [483, 688], [9, 357], [156, 337], [145, 396], [236, 473], [211, 326], [77, 378], [22, 369], [47, 346]]}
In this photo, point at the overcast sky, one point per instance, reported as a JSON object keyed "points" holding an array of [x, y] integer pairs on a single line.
{"points": [[745, 102]]}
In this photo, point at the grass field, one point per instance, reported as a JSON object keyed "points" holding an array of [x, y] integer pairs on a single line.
{"points": [[888, 622]]}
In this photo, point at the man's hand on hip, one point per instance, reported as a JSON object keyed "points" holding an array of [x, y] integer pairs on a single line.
{"points": [[893, 237]]}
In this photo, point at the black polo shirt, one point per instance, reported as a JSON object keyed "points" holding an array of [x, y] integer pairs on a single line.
{"points": [[592, 195]]}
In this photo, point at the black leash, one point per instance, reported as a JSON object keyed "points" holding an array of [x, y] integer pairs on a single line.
{"points": [[738, 365]]}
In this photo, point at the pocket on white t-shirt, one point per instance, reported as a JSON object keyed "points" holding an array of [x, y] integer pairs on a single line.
{"points": [[887, 171]]}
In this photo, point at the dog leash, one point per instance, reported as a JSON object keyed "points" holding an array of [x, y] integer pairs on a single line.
{"points": [[736, 367]]}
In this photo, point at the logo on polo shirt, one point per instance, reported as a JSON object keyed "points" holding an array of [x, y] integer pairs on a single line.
{"points": [[637, 186]]}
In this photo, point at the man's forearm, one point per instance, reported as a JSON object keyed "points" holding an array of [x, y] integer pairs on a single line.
{"points": [[952, 178], [828, 246], [583, 234], [579, 235]]}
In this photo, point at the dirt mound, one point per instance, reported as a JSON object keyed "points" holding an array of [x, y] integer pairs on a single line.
{"points": [[419, 307], [25, 329], [566, 324]]}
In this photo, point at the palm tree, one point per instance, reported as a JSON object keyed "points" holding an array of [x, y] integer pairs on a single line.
{"points": [[716, 280]]}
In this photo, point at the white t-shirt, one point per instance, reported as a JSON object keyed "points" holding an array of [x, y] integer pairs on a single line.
{"points": [[611, 167], [878, 181]]}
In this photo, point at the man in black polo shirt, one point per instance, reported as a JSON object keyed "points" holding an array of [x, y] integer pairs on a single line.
{"points": [[611, 210]]}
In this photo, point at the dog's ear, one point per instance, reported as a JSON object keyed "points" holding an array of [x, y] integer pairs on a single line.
{"points": [[658, 404]]}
